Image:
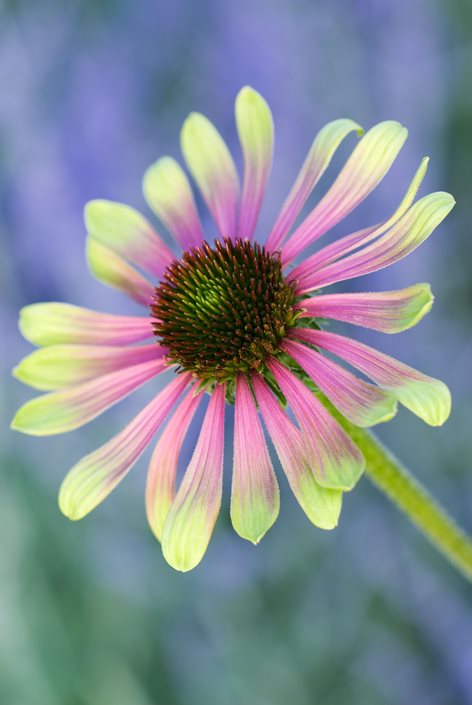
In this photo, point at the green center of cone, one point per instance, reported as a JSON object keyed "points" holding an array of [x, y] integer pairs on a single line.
{"points": [[224, 310]]}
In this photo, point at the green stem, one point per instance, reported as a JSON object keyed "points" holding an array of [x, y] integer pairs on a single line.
{"points": [[388, 474]]}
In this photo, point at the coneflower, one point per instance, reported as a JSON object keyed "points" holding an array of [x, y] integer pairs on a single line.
{"points": [[241, 322]]}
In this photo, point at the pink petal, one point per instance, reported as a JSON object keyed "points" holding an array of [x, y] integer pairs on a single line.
{"points": [[360, 402], [58, 366], [53, 323], [160, 487], [128, 234], [365, 168], [317, 161], [114, 271], [425, 396], [192, 516], [59, 412], [388, 311], [97, 474], [212, 166], [255, 493], [169, 194], [321, 505], [256, 134], [336, 462]]}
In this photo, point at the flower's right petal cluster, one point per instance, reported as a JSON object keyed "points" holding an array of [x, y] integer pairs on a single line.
{"points": [[367, 165], [408, 233], [425, 396], [344, 245]]}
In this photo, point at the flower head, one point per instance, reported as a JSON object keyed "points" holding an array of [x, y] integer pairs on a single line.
{"points": [[240, 322]]}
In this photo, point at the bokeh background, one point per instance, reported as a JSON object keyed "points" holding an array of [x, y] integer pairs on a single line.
{"points": [[92, 92]]}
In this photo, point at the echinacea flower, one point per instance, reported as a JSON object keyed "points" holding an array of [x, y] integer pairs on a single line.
{"points": [[240, 322]]}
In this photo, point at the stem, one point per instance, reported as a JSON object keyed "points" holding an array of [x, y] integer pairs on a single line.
{"points": [[388, 474], [385, 471]]}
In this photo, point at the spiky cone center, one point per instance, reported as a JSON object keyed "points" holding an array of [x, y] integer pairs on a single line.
{"points": [[223, 310]]}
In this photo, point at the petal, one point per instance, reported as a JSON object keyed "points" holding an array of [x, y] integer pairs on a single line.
{"points": [[256, 134], [60, 366], [341, 247], [93, 478], [404, 237], [255, 497], [388, 311], [317, 161], [160, 486], [112, 270], [362, 403], [128, 234], [365, 168], [336, 461], [322, 506], [168, 193], [425, 396], [212, 167], [53, 323], [63, 411], [192, 516]]}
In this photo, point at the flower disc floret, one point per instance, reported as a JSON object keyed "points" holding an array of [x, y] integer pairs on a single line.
{"points": [[223, 310]]}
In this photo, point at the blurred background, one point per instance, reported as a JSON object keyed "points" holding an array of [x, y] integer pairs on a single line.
{"points": [[93, 91]]}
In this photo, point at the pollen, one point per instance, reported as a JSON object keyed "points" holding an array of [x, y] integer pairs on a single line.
{"points": [[223, 310]]}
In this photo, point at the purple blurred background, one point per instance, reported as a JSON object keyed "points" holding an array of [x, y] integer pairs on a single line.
{"points": [[93, 92]]}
